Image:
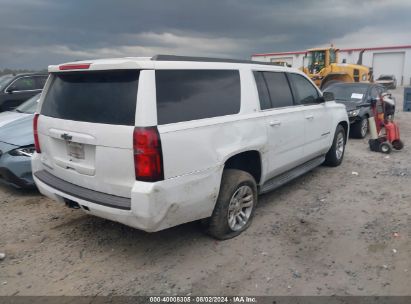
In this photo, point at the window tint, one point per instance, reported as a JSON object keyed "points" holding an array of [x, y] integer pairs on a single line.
{"points": [[273, 90], [24, 84], [265, 102], [305, 92], [107, 97], [184, 95], [40, 82], [279, 89]]}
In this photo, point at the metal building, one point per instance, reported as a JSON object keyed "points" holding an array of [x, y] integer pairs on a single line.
{"points": [[391, 60]]}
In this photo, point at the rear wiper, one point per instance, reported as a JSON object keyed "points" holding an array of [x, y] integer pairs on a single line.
{"points": [[18, 111]]}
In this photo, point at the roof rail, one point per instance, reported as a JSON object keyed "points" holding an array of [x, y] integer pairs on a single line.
{"points": [[204, 59]]}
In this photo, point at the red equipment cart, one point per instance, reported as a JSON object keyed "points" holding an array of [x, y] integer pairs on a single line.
{"points": [[388, 133]]}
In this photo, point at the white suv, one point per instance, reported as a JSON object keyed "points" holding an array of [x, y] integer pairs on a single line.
{"points": [[157, 142]]}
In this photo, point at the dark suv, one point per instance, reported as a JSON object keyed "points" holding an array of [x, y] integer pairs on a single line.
{"points": [[15, 89]]}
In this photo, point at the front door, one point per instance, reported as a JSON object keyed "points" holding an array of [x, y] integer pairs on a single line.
{"points": [[317, 118], [284, 121], [19, 91]]}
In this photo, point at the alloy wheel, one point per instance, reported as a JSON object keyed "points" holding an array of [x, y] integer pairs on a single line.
{"points": [[240, 208]]}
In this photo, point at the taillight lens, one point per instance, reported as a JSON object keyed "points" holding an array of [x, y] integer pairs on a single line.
{"points": [[148, 158], [83, 66], [35, 132]]}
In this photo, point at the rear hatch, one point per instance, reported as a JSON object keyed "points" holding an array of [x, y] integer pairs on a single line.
{"points": [[86, 129]]}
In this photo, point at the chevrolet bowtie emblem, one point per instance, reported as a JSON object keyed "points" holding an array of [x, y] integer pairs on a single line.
{"points": [[67, 137]]}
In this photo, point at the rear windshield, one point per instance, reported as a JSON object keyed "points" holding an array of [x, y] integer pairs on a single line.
{"points": [[107, 97]]}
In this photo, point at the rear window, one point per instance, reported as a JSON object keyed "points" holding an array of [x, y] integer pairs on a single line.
{"points": [[184, 95], [107, 97], [273, 90]]}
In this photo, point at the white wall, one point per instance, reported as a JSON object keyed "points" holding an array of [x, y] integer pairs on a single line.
{"points": [[368, 59]]}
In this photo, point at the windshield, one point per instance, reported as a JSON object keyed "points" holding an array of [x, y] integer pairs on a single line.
{"points": [[385, 77], [316, 61], [29, 106], [4, 80], [348, 93]]}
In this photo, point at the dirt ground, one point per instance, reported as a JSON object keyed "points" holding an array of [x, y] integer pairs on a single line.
{"points": [[330, 232]]}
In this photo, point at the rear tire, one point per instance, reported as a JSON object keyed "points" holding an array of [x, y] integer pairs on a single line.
{"points": [[360, 128], [335, 155], [235, 205], [397, 144]]}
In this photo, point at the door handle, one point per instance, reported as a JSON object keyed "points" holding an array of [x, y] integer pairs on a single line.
{"points": [[275, 123], [310, 117]]}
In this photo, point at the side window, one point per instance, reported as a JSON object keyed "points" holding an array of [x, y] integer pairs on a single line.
{"points": [[24, 84], [273, 90], [264, 96], [305, 92], [184, 95], [40, 82]]}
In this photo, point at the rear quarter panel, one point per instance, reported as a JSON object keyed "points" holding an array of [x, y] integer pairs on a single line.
{"points": [[198, 145]]}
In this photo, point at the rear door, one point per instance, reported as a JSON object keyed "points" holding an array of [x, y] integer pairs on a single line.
{"points": [[86, 128], [284, 122], [19, 91], [317, 116]]}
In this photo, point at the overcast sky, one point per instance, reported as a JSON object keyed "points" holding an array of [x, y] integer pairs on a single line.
{"points": [[36, 33]]}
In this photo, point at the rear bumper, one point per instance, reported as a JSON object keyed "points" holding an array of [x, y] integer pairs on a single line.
{"points": [[152, 206], [16, 171]]}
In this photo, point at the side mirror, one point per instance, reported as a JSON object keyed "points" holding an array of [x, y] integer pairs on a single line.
{"points": [[328, 96]]}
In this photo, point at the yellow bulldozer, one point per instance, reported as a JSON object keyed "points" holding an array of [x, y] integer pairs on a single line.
{"points": [[321, 65]]}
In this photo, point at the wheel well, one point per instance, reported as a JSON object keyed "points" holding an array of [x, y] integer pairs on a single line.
{"points": [[344, 124], [249, 161]]}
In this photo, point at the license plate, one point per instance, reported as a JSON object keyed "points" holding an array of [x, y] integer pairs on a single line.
{"points": [[75, 150]]}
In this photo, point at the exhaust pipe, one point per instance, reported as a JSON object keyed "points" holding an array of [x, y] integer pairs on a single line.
{"points": [[71, 204]]}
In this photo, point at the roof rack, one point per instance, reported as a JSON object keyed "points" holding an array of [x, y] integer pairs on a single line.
{"points": [[204, 59]]}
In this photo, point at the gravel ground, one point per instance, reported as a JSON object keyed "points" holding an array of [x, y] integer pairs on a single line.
{"points": [[328, 232]]}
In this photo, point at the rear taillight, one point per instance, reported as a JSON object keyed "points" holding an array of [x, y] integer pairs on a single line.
{"points": [[148, 158], [35, 132]]}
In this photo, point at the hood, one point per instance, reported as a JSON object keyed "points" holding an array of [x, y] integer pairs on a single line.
{"points": [[350, 105], [9, 116], [18, 132]]}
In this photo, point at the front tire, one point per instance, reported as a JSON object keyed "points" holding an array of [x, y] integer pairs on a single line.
{"points": [[360, 128], [385, 148], [335, 155], [235, 205]]}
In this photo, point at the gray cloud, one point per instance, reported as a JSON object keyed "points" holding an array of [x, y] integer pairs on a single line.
{"points": [[35, 33]]}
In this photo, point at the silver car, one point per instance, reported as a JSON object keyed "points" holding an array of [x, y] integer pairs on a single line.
{"points": [[17, 144]]}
